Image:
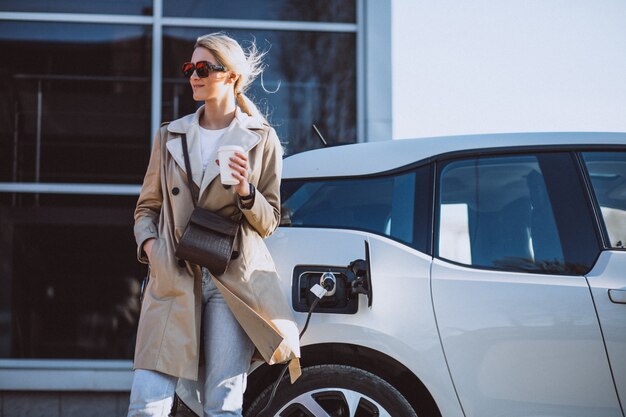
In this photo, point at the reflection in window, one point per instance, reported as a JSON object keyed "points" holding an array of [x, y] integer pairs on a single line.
{"points": [[343, 11], [69, 278], [74, 102], [496, 212], [607, 171], [383, 205], [318, 87], [454, 240]]}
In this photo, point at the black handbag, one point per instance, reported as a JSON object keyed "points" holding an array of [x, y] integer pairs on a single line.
{"points": [[208, 239]]}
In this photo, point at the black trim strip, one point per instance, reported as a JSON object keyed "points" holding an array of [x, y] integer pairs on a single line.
{"points": [[593, 201]]}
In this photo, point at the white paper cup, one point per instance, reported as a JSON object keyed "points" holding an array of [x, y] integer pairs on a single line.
{"points": [[224, 153]]}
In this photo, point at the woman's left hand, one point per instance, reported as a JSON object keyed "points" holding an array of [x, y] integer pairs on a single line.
{"points": [[239, 163]]}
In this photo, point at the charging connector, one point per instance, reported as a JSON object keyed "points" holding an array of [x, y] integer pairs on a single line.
{"points": [[319, 291], [329, 282]]}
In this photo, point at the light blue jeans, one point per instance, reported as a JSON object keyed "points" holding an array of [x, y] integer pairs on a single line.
{"points": [[227, 354]]}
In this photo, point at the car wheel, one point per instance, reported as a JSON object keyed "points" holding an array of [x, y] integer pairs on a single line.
{"points": [[333, 391]]}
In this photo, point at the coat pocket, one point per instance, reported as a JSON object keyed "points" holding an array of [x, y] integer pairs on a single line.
{"points": [[163, 271]]}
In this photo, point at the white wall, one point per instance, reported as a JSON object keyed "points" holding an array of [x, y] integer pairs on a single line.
{"points": [[481, 66]]}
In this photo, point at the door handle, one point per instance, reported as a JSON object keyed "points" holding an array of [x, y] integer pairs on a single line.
{"points": [[618, 296]]}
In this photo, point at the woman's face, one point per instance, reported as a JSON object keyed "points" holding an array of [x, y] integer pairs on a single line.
{"points": [[217, 85]]}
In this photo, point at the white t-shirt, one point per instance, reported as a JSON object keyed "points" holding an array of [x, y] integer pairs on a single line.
{"points": [[209, 140]]}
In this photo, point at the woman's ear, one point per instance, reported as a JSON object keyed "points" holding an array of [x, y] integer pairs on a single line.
{"points": [[233, 77]]}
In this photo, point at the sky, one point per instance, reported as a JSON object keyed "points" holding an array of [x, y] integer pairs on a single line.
{"points": [[485, 66]]}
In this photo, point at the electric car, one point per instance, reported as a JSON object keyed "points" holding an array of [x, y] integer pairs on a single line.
{"points": [[474, 276]]}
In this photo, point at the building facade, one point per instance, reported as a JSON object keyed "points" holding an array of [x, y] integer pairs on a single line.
{"points": [[84, 86]]}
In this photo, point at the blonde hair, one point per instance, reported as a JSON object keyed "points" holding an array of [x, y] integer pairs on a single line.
{"points": [[247, 64]]}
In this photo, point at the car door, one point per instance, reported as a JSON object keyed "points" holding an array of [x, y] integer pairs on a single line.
{"points": [[514, 238], [607, 175]]}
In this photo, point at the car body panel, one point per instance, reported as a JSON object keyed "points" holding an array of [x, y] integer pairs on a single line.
{"points": [[400, 322], [522, 344], [608, 286]]}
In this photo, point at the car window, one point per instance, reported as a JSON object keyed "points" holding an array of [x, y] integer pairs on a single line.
{"points": [[607, 172], [384, 205], [508, 213]]}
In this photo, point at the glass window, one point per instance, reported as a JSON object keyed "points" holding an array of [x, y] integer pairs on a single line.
{"points": [[518, 213], [384, 205], [137, 7], [69, 277], [343, 11], [313, 74], [74, 102], [607, 171]]}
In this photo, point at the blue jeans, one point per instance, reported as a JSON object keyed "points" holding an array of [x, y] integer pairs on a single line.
{"points": [[227, 353]]}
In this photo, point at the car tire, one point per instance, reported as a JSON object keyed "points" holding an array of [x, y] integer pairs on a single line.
{"points": [[333, 390]]}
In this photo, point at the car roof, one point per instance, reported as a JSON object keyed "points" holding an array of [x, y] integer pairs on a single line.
{"points": [[375, 157]]}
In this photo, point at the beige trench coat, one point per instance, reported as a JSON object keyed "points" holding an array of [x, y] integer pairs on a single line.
{"points": [[168, 337]]}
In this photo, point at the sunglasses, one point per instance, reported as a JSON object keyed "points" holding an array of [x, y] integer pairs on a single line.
{"points": [[202, 68]]}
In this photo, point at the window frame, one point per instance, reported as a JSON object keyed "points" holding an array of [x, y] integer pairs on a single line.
{"points": [[574, 150], [593, 199]]}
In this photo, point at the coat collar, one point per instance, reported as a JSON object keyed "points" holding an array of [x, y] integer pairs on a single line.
{"points": [[241, 131], [183, 124]]}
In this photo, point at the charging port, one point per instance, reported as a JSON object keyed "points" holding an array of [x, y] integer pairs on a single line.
{"points": [[342, 284], [333, 279]]}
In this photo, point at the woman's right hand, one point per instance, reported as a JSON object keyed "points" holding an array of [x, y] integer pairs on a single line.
{"points": [[147, 248]]}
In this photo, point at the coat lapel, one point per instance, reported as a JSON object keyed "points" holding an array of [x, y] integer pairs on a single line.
{"points": [[238, 133], [175, 148], [189, 126]]}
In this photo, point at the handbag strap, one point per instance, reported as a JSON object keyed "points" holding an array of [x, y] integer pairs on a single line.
{"points": [[194, 197]]}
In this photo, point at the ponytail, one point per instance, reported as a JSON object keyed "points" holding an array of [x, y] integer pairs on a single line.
{"points": [[247, 106]]}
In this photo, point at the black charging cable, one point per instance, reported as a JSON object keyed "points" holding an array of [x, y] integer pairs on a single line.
{"points": [[319, 295]]}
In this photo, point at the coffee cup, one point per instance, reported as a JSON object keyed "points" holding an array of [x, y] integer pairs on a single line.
{"points": [[224, 153]]}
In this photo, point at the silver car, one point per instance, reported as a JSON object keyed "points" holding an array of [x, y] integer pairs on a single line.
{"points": [[476, 276]]}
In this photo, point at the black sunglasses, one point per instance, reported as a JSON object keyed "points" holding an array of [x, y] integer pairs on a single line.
{"points": [[202, 68]]}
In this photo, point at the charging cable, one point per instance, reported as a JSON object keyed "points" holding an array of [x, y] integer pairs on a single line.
{"points": [[320, 292]]}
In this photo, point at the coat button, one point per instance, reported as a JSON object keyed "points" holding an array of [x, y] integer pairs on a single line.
{"points": [[175, 190], [181, 263]]}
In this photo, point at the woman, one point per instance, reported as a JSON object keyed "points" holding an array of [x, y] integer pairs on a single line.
{"points": [[184, 304]]}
